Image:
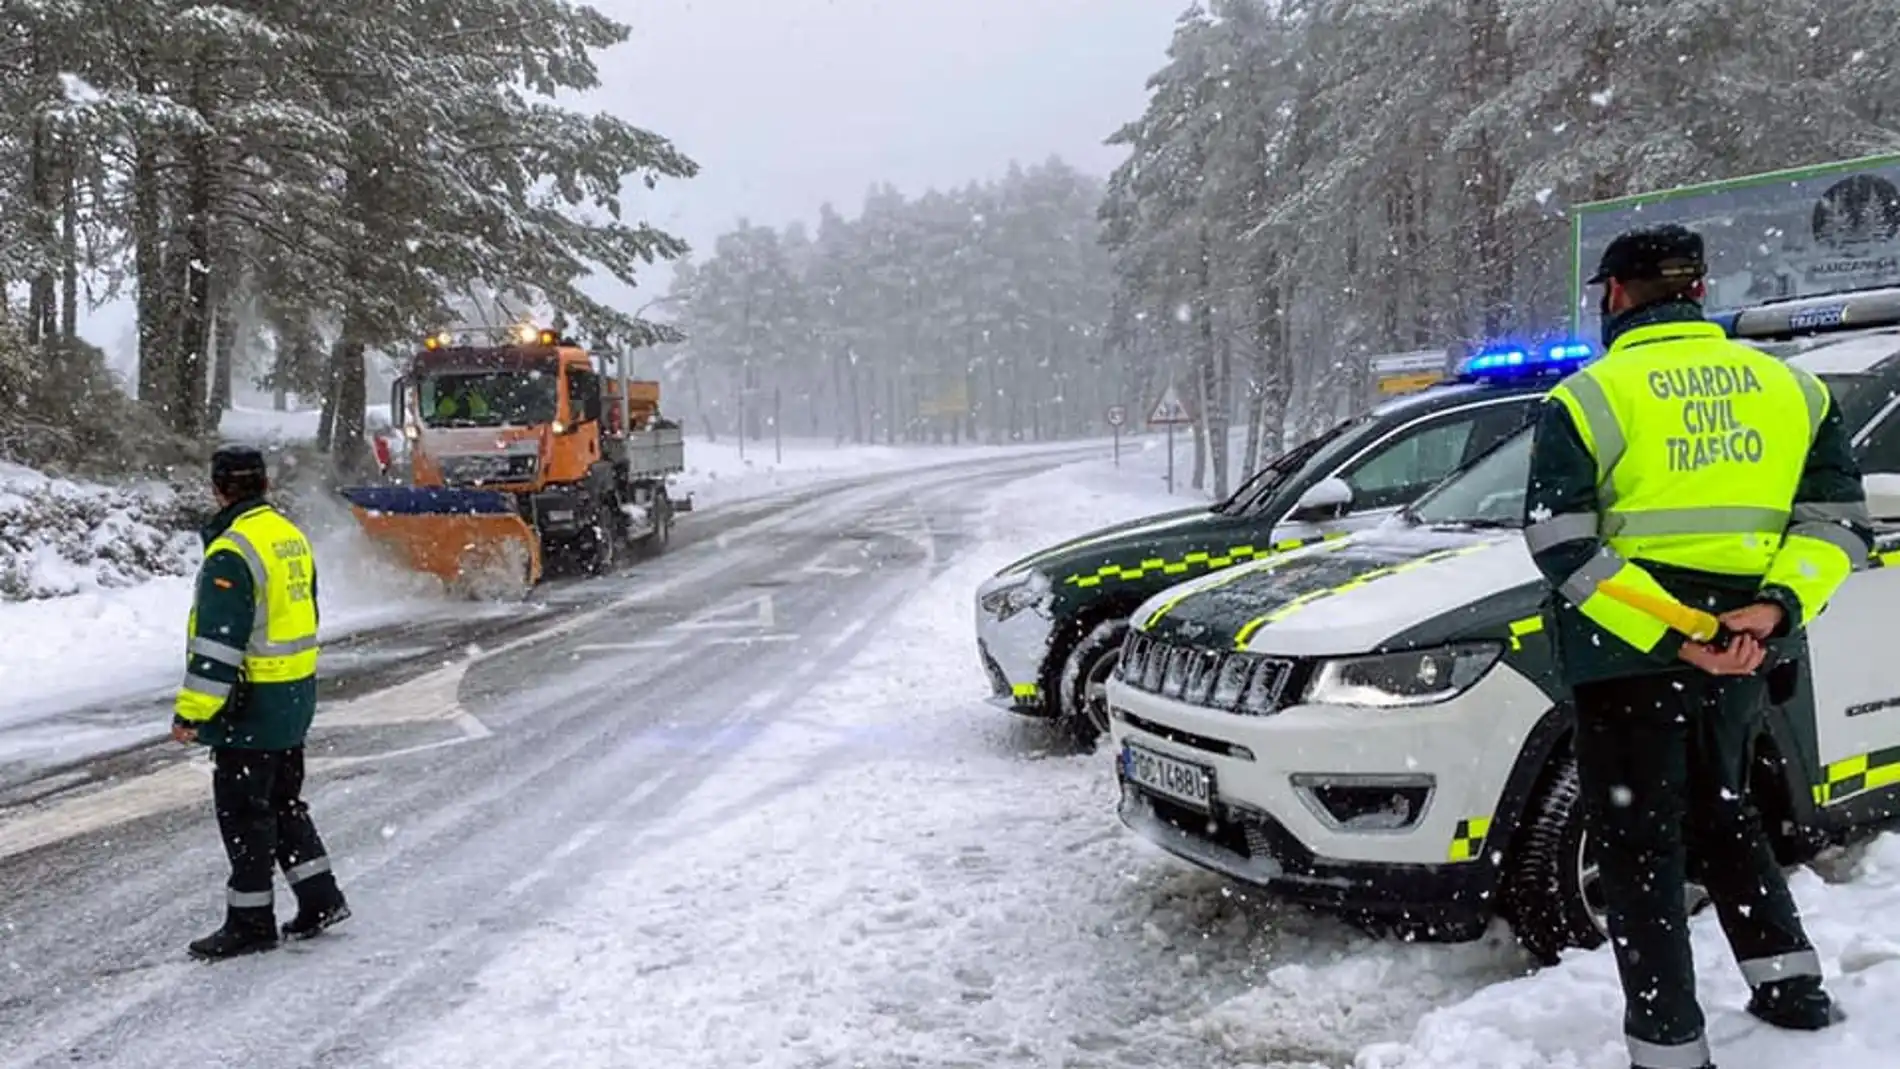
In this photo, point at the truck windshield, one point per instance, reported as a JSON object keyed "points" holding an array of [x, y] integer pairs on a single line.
{"points": [[487, 398], [1489, 493]]}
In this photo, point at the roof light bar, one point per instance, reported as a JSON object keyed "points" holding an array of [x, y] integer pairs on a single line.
{"points": [[1519, 362]]}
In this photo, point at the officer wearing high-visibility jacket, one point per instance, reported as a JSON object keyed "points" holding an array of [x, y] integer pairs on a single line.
{"points": [[249, 693], [1687, 467]]}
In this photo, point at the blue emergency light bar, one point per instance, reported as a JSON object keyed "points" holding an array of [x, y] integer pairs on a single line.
{"points": [[1522, 362]]}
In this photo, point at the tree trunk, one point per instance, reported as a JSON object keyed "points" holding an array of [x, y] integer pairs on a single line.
{"points": [[352, 395], [195, 321], [42, 301], [157, 369], [69, 252], [225, 329], [326, 419]]}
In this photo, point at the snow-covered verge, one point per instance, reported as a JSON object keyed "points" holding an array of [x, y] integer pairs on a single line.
{"points": [[1571, 1016], [895, 873], [59, 537], [104, 643]]}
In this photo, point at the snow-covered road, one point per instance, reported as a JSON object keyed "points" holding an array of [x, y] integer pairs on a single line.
{"points": [[744, 806]]}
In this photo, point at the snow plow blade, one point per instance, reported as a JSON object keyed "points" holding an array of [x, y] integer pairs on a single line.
{"points": [[459, 536]]}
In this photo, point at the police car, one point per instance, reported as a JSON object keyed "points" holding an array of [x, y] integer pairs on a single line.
{"points": [[1050, 626], [1372, 724]]}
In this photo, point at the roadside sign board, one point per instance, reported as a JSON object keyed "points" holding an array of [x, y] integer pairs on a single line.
{"points": [[1117, 415], [1169, 411]]}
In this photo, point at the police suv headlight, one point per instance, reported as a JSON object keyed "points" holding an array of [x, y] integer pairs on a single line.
{"points": [[1415, 677], [1025, 592]]}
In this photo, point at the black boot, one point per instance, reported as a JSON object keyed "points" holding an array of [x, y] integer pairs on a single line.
{"points": [[1798, 1003], [245, 931], [320, 905]]}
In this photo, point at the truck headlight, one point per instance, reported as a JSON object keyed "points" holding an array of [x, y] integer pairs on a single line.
{"points": [[1415, 677], [1015, 595]]}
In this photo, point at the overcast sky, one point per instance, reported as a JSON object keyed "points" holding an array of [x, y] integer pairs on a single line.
{"points": [[787, 104]]}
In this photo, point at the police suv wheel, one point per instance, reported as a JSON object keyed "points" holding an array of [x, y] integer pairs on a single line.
{"points": [[1083, 690], [1550, 880], [1551, 887]]}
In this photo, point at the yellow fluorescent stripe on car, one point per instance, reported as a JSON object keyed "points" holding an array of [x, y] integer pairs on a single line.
{"points": [[1182, 565], [1265, 564], [1853, 775], [1025, 690], [1529, 625], [1246, 633], [1467, 842]]}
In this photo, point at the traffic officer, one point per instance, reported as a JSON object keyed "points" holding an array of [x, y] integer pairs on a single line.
{"points": [[1689, 467], [249, 693]]}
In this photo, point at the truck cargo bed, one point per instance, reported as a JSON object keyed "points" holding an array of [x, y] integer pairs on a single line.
{"points": [[655, 451]]}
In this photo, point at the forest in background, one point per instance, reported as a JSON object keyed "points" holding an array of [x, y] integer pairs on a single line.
{"points": [[971, 315], [1313, 182], [319, 181]]}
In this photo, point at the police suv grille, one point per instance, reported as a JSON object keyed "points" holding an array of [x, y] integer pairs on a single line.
{"points": [[1233, 681], [477, 469]]}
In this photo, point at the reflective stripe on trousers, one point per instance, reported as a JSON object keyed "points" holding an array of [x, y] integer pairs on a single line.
{"points": [[1694, 1054], [316, 866], [247, 899], [1800, 963]]}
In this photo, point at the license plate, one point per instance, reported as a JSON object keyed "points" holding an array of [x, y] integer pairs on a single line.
{"points": [[1186, 783]]}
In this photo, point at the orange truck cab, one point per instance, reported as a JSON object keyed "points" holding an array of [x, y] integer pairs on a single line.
{"points": [[524, 450]]}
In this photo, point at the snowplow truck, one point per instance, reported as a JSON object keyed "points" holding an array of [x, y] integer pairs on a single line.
{"points": [[520, 458]]}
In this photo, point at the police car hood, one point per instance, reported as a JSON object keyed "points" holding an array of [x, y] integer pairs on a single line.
{"points": [[1342, 597], [1133, 532]]}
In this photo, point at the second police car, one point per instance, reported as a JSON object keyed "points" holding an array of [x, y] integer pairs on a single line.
{"points": [[1373, 724], [1050, 626]]}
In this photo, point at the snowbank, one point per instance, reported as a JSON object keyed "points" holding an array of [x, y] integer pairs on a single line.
{"points": [[894, 873], [1571, 1016], [59, 537], [102, 643]]}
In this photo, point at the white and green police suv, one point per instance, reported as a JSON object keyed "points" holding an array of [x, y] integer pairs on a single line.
{"points": [[1372, 724]]}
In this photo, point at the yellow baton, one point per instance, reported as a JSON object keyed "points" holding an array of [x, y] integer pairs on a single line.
{"points": [[1696, 624]]}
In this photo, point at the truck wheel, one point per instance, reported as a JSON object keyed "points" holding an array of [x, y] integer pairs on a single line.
{"points": [[603, 545], [1555, 898], [1550, 883], [1083, 690], [661, 515]]}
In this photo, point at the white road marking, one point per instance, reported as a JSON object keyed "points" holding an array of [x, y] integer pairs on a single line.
{"points": [[758, 613], [155, 792]]}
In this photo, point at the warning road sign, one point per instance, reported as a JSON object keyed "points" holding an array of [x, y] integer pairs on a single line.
{"points": [[1169, 410]]}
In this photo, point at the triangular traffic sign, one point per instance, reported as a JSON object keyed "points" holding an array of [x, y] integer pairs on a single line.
{"points": [[1169, 409]]}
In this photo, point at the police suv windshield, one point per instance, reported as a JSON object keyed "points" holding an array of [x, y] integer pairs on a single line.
{"points": [[1254, 494], [1489, 493]]}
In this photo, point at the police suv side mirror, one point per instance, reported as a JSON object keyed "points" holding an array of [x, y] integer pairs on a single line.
{"points": [[1883, 496], [1324, 500]]}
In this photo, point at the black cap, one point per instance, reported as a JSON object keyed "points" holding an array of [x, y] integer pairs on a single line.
{"points": [[1658, 252], [232, 462]]}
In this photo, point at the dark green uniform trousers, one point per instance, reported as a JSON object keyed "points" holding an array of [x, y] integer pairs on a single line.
{"points": [[1663, 761]]}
